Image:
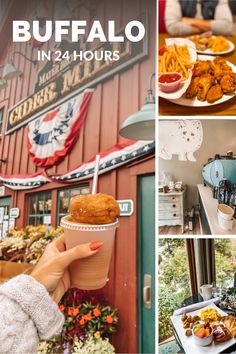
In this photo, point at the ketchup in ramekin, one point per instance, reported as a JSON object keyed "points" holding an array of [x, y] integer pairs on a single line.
{"points": [[169, 82]]}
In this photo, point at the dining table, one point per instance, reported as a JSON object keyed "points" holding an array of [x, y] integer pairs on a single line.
{"points": [[227, 108]]}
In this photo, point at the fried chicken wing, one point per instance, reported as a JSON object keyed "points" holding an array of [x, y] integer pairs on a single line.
{"points": [[233, 75], [202, 67], [193, 88], [220, 68], [217, 71], [94, 209], [204, 85], [214, 94], [227, 83]]}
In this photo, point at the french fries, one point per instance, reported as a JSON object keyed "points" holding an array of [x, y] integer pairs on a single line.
{"points": [[175, 59], [218, 44]]}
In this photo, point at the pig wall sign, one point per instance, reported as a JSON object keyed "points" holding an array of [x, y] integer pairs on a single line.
{"points": [[182, 138]]}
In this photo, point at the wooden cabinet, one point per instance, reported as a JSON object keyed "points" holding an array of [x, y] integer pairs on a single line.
{"points": [[172, 208]]}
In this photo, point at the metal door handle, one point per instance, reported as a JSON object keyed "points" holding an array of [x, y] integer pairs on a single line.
{"points": [[147, 291]]}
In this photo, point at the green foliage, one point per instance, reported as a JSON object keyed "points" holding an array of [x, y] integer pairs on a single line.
{"points": [[169, 300], [169, 245], [87, 329], [225, 270], [223, 246], [175, 269], [89, 318], [173, 283], [93, 346]]}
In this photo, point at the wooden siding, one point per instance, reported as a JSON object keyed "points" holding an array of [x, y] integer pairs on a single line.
{"points": [[111, 103]]}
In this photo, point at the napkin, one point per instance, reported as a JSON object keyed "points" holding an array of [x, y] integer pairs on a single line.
{"points": [[196, 306]]}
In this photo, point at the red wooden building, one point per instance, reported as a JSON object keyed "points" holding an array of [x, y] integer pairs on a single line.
{"points": [[120, 94]]}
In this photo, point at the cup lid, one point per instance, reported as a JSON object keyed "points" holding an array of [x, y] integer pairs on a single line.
{"points": [[87, 227]]}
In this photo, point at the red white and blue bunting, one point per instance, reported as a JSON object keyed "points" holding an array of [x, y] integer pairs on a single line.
{"points": [[111, 158], [51, 136], [21, 182]]}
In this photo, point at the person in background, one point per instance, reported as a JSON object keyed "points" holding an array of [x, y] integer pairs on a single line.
{"points": [[28, 303], [186, 17]]}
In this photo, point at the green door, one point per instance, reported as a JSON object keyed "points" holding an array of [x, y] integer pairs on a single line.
{"points": [[146, 264]]}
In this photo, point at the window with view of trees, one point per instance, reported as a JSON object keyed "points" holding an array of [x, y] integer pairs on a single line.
{"points": [[174, 282], [225, 258]]}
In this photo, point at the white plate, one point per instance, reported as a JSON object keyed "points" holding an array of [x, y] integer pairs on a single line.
{"points": [[188, 343], [209, 52], [194, 102]]}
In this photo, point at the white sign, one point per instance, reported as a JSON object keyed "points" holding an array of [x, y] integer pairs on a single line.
{"points": [[47, 219], [14, 212], [1, 214], [4, 228], [12, 222], [126, 207], [2, 191]]}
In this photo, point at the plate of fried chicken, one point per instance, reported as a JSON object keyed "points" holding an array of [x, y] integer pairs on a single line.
{"points": [[213, 82]]}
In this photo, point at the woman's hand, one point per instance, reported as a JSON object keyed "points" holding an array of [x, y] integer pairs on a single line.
{"points": [[52, 268]]}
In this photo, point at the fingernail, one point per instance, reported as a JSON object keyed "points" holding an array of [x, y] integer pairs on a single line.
{"points": [[95, 245]]}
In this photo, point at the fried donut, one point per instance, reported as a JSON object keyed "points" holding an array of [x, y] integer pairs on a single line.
{"points": [[94, 209]]}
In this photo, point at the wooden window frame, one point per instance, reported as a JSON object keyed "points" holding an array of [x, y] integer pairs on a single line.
{"points": [[192, 265], [36, 196]]}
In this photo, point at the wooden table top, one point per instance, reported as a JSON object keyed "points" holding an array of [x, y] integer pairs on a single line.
{"points": [[228, 108]]}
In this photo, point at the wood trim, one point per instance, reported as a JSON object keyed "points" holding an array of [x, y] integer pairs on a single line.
{"points": [[144, 167], [54, 206], [141, 160], [192, 265]]}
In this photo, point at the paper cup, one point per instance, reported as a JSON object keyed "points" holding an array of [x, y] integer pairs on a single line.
{"points": [[225, 224], [90, 273], [225, 211]]}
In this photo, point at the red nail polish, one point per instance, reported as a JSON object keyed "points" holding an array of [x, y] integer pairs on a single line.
{"points": [[95, 245]]}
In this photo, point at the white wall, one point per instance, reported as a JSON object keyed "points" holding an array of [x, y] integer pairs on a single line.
{"points": [[219, 136]]}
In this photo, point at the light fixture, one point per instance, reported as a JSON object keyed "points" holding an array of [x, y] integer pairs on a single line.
{"points": [[141, 125], [10, 71]]}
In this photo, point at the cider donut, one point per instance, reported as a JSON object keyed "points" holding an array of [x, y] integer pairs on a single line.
{"points": [[94, 209]]}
